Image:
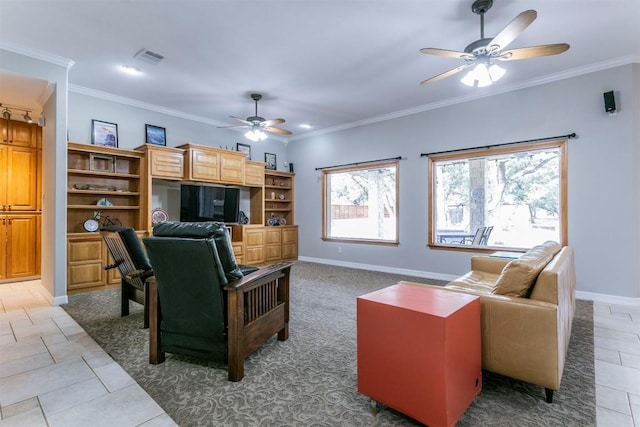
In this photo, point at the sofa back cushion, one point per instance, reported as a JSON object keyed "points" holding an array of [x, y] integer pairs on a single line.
{"points": [[518, 276]]}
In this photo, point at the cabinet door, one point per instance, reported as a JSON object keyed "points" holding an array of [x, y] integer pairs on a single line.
{"points": [[273, 238], [254, 246], [21, 245], [22, 134], [231, 168], [290, 243], [167, 165], [205, 166], [3, 248], [21, 179], [84, 263], [4, 156], [253, 173]]}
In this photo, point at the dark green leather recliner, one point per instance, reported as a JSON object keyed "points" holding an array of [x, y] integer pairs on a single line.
{"points": [[202, 305]]}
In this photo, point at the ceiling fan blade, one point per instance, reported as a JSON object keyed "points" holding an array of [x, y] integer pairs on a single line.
{"points": [[513, 29], [533, 52], [241, 120], [277, 130], [272, 122], [445, 52], [445, 74], [234, 127]]}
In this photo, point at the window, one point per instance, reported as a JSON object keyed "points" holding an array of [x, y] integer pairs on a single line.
{"points": [[506, 197], [361, 203]]}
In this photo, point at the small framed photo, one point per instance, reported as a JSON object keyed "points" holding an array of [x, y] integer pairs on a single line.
{"points": [[270, 161], [155, 135], [244, 148], [104, 133]]}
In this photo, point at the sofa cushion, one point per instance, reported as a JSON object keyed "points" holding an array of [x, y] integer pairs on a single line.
{"points": [[518, 276]]}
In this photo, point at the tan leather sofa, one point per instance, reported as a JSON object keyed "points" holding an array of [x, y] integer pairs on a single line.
{"points": [[525, 328]]}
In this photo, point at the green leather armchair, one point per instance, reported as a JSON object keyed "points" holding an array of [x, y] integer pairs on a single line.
{"points": [[202, 305]]}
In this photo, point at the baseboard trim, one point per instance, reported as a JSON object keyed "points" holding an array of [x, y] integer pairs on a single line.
{"points": [[591, 296], [53, 300], [608, 299], [380, 268]]}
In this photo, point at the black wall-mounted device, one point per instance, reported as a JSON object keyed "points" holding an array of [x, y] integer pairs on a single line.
{"points": [[609, 102]]}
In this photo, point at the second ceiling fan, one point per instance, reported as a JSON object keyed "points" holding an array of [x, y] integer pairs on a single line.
{"points": [[482, 53], [257, 124]]}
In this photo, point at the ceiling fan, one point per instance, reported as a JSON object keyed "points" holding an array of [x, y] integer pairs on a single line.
{"points": [[257, 124], [482, 53]]}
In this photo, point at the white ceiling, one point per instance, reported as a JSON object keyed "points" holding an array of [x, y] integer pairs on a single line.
{"points": [[330, 63]]}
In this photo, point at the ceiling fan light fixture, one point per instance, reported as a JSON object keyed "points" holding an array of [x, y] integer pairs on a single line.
{"points": [[255, 135], [482, 76]]}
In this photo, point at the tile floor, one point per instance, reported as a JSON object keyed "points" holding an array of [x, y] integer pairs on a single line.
{"points": [[53, 374]]}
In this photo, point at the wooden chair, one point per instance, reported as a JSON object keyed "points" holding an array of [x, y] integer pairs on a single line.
{"points": [[202, 306], [477, 238], [132, 263]]}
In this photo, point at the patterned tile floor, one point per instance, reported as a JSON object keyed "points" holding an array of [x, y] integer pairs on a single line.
{"points": [[53, 374]]}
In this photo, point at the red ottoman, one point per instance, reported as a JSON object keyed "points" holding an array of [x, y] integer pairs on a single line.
{"points": [[419, 351]]}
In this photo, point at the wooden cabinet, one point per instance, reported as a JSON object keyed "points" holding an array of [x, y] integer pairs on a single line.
{"points": [[18, 189], [290, 242], [21, 134], [273, 244], [281, 243], [86, 257], [278, 198], [254, 248], [253, 173], [164, 162], [209, 164], [105, 180], [18, 246]]}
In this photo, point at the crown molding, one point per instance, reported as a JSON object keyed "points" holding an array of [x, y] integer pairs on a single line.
{"points": [[495, 90], [39, 55]]}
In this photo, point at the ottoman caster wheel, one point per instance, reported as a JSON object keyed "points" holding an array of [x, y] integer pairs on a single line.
{"points": [[373, 406]]}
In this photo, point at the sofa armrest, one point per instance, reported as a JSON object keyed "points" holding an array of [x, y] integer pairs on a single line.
{"points": [[522, 338], [488, 264]]}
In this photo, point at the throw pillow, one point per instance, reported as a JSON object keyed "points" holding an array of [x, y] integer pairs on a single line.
{"points": [[518, 276]]}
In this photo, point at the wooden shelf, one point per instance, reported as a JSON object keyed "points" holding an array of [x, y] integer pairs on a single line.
{"points": [[102, 174], [103, 192], [102, 208]]}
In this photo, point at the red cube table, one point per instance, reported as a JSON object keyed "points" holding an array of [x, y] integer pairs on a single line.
{"points": [[419, 351]]}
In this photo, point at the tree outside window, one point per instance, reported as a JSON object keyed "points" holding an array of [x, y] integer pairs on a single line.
{"points": [[515, 195], [361, 203]]}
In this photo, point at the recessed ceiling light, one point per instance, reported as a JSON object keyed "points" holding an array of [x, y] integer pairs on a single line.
{"points": [[133, 71], [306, 126]]}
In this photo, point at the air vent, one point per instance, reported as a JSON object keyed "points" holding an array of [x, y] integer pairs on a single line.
{"points": [[148, 56]]}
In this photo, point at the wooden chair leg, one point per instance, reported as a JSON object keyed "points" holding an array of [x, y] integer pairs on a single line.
{"points": [[235, 359], [146, 305], [124, 299], [156, 355]]}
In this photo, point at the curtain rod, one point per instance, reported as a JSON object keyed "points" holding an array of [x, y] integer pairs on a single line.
{"points": [[359, 163], [548, 138]]}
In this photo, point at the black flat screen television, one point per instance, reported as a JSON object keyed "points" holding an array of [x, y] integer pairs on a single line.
{"points": [[199, 203]]}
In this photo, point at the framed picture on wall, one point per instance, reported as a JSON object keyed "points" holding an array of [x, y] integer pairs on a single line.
{"points": [[104, 133], [156, 135], [244, 148], [270, 161]]}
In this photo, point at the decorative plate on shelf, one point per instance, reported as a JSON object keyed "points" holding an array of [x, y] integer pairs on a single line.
{"points": [[158, 215], [104, 202]]}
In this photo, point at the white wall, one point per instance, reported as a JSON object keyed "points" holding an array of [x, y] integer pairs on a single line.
{"points": [[602, 174], [131, 120]]}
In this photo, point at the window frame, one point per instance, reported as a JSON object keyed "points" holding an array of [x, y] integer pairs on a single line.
{"points": [[325, 194], [560, 144]]}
